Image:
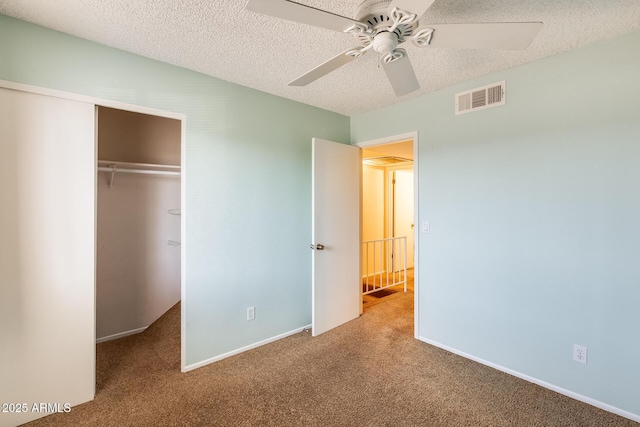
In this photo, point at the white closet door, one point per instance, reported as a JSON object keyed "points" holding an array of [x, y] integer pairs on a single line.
{"points": [[47, 254]]}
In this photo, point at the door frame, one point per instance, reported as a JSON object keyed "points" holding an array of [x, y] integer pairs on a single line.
{"points": [[99, 102], [390, 140]]}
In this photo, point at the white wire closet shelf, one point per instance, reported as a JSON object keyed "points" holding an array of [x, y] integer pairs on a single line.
{"points": [[138, 168]]}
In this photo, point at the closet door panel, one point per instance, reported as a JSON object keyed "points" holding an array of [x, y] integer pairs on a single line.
{"points": [[47, 255]]}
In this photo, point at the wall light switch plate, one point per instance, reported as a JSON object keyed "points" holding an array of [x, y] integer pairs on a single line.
{"points": [[425, 227]]}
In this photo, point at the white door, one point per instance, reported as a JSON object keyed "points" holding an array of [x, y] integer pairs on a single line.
{"points": [[47, 255], [335, 234], [403, 210]]}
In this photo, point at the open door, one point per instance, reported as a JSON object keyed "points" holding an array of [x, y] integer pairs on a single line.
{"points": [[335, 234]]}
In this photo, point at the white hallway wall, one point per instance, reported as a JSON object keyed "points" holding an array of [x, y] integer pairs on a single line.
{"points": [[373, 212]]}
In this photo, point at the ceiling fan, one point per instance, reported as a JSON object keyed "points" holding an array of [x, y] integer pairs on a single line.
{"points": [[383, 25]]}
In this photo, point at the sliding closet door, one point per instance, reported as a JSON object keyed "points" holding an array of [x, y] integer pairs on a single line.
{"points": [[47, 255]]}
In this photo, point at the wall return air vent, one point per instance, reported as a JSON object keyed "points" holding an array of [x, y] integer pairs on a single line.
{"points": [[480, 98]]}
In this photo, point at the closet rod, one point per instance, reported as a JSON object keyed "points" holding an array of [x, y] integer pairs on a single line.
{"points": [[134, 165], [144, 171], [113, 168]]}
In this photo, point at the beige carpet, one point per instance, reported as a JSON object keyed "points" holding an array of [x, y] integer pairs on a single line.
{"points": [[370, 372]]}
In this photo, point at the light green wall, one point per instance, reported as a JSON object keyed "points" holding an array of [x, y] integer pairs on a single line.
{"points": [[534, 210], [248, 179], [533, 206]]}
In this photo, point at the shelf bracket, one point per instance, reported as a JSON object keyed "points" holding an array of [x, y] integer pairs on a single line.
{"points": [[113, 173]]}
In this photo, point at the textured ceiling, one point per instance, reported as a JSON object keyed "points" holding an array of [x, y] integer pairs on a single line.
{"points": [[221, 39]]}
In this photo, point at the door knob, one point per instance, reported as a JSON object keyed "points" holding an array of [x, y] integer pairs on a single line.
{"points": [[318, 247]]}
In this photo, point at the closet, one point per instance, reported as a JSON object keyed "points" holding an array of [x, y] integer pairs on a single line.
{"points": [[138, 220], [87, 254]]}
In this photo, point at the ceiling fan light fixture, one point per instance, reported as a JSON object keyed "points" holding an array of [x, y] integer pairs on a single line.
{"points": [[385, 42]]}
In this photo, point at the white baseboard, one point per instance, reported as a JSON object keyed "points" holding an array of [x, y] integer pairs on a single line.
{"points": [[120, 335], [568, 393], [243, 349]]}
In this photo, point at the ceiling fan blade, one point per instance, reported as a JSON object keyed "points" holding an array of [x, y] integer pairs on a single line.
{"points": [[503, 35], [419, 7], [329, 66], [401, 75], [300, 13]]}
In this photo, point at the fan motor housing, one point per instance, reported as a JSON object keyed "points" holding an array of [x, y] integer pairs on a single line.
{"points": [[374, 14]]}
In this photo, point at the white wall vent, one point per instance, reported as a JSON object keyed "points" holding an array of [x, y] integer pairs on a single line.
{"points": [[480, 98]]}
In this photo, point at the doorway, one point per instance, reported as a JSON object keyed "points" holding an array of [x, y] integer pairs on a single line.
{"points": [[402, 146], [139, 257], [336, 191], [387, 218], [138, 221]]}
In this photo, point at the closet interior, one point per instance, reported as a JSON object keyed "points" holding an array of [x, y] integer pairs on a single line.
{"points": [[138, 221]]}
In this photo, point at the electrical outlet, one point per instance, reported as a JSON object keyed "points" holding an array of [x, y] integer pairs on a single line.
{"points": [[251, 313], [580, 353]]}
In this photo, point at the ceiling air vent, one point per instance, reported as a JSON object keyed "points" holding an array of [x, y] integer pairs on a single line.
{"points": [[483, 97]]}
